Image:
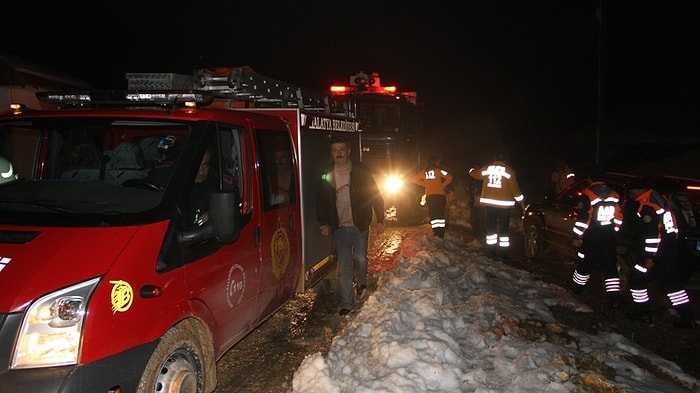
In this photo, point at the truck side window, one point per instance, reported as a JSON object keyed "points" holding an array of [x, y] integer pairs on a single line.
{"points": [[21, 147], [232, 145], [275, 155]]}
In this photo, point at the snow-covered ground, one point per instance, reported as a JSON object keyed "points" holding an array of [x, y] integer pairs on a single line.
{"points": [[449, 318]]}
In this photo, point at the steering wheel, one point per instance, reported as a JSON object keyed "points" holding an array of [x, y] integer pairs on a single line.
{"points": [[142, 184]]}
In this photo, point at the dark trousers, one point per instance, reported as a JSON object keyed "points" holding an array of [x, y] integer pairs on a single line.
{"points": [[599, 248], [666, 272], [437, 205], [497, 228]]}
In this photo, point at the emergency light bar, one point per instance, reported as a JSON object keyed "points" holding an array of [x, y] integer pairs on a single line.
{"points": [[362, 89]]}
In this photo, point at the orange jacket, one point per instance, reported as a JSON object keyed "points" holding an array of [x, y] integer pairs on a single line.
{"points": [[500, 187], [433, 179]]}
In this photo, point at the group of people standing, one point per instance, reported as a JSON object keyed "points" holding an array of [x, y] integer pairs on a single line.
{"points": [[653, 226], [500, 192], [349, 198], [599, 217]]}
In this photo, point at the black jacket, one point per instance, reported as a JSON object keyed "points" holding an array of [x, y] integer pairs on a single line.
{"points": [[364, 198]]}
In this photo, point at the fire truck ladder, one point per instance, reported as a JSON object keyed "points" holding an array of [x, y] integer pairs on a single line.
{"points": [[243, 84]]}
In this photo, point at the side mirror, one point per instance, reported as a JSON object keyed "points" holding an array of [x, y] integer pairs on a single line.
{"points": [[224, 223], [225, 216]]}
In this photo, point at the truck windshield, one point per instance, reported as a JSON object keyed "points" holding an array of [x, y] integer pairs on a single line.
{"points": [[87, 165]]}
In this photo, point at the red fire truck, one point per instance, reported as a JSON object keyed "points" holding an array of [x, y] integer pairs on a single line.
{"points": [[116, 277], [390, 120]]}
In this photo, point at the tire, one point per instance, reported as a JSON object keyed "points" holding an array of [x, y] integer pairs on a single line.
{"points": [[183, 362], [533, 241]]}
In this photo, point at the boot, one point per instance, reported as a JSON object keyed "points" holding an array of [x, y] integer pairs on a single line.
{"points": [[576, 289], [640, 313], [614, 300], [686, 314]]}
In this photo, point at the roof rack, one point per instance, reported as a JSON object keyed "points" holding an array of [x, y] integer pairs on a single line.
{"points": [[237, 83]]}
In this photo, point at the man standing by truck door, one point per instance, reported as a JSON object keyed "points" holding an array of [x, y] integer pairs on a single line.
{"points": [[347, 197]]}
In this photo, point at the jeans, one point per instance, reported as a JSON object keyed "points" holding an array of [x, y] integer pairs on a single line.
{"points": [[351, 251]]}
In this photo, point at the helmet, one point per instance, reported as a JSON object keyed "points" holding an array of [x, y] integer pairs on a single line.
{"points": [[7, 171]]}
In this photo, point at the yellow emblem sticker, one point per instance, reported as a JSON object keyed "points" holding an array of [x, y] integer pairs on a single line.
{"points": [[122, 296], [280, 247]]}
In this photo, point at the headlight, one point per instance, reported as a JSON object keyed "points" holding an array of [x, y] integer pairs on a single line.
{"points": [[393, 184], [52, 327]]}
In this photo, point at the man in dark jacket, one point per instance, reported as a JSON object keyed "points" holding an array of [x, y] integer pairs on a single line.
{"points": [[348, 196]]}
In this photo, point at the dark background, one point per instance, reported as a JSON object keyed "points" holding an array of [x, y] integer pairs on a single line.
{"points": [[538, 79]]}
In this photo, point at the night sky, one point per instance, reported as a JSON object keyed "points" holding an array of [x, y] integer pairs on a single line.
{"points": [[516, 75]]}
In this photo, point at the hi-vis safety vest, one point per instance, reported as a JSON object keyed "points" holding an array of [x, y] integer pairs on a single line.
{"points": [[500, 187], [599, 207], [657, 219]]}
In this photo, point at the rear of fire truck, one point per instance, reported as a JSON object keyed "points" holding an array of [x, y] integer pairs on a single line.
{"points": [[391, 126]]}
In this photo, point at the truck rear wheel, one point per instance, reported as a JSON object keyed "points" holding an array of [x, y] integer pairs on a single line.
{"points": [[183, 362]]}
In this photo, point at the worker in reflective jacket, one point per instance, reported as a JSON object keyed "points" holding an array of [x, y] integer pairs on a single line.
{"points": [[598, 218], [435, 179], [657, 243], [499, 193]]}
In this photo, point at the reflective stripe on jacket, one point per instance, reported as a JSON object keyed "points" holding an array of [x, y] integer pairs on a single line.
{"points": [[500, 187], [657, 221]]}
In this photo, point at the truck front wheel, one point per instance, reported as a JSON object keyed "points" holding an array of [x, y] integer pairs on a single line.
{"points": [[183, 362]]}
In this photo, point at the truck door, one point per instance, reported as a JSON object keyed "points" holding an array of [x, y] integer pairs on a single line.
{"points": [[280, 227], [226, 278]]}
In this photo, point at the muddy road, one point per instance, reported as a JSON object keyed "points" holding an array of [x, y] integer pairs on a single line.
{"points": [[265, 361]]}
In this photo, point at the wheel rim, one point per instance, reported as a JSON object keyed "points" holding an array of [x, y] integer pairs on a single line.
{"points": [[178, 375]]}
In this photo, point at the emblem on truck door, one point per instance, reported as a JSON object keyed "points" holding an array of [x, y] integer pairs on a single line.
{"points": [[235, 285], [122, 296], [280, 252]]}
